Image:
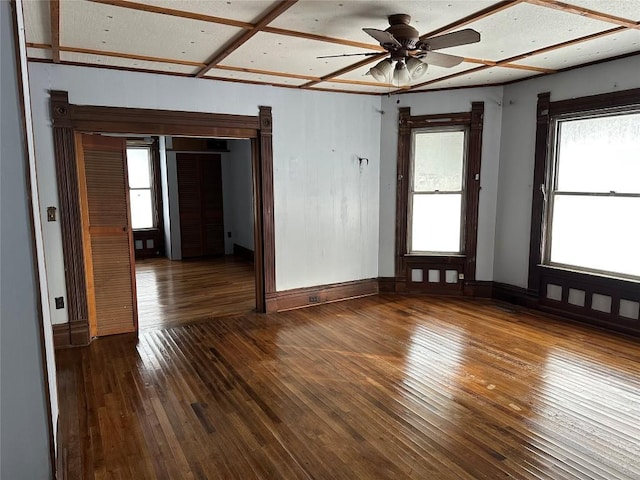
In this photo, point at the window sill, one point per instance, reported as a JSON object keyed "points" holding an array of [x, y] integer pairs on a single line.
{"points": [[591, 274]]}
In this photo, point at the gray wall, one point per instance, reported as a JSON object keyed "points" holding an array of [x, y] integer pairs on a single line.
{"points": [[24, 435]]}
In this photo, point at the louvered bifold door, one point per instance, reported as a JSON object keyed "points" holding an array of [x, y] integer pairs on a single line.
{"points": [[108, 240]]}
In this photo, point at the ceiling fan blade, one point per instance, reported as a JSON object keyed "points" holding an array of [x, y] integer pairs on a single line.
{"points": [[453, 39], [383, 37], [352, 54], [441, 59]]}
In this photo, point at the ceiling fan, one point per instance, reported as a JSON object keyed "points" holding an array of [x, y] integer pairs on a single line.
{"points": [[412, 55]]}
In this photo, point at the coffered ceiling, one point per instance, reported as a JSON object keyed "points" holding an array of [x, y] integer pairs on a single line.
{"points": [[278, 42]]}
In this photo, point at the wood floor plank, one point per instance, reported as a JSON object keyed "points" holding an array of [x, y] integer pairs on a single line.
{"points": [[384, 387]]}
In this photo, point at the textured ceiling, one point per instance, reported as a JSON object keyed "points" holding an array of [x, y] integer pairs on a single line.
{"points": [[277, 42]]}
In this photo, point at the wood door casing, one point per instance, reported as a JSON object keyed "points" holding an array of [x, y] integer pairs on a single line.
{"points": [[107, 234], [200, 204]]}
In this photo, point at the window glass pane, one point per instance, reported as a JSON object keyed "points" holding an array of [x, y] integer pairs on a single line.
{"points": [[138, 166], [438, 161], [601, 233], [436, 223], [141, 210], [600, 154]]}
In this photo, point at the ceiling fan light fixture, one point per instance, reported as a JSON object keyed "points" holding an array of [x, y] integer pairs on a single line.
{"points": [[401, 73], [381, 70], [416, 67]]}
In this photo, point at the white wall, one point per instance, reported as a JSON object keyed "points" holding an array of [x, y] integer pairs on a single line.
{"points": [[326, 206], [517, 153], [25, 422], [432, 103], [239, 184]]}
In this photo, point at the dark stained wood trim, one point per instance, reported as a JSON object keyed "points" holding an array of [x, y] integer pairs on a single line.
{"points": [[240, 40], [68, 119], [322, 38], [595, 102], [538, 203], [515, 295], [243, 252], [70, 223], [474, 163], [478, 289], [54, 13], [386, 284], [61, 335], [266, 185], [474, 17], [309, 296], [466, 262], [585, 12], [402, 192]]}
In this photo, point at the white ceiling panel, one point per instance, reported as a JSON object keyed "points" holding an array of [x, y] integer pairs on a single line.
{"points": [[255, 77], [346, 18], [277, 53], [39, 53], [483, 77], [629, 9], [585, 52], [105, 27], [248, 11], [37, 17], [353, 88], [524, 28], [100, 60], [433, 72]]}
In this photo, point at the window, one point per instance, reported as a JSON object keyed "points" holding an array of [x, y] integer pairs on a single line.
{"points": [[436, 191], [594, 193], [140, 187]]}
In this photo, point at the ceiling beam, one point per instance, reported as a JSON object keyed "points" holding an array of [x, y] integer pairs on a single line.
{"points": [[54, 11], [143, 7], [474, 17], [265, 20], [448, 77], [585, 12], [344, 70], [322, 38]]}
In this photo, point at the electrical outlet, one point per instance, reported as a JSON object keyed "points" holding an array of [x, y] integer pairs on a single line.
{"points": [[228, 234], [59, 303], [314, 299]]}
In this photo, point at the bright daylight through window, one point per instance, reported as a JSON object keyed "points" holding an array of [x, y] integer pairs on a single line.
{"points": [[139, 169], [594, 201], [436, 193]]}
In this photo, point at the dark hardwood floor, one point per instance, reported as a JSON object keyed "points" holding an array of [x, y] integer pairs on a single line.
{"points": [[171, 293], [387, 387]]}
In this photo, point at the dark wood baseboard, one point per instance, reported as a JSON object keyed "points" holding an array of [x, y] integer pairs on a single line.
{"points": [[61, 337], [513, 294], [386, 284], [478, 288], [74, 334], [243, 252], [308, 296]]}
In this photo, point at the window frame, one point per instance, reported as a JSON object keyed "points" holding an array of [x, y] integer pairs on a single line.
{"points": [[154, 180], [411, 189], [551, 189], [465, 262], [547, 110]]}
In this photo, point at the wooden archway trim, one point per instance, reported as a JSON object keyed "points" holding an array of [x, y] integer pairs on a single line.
{"points": [[69, 119]]}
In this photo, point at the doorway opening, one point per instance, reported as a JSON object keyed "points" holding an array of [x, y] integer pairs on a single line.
{"points": [[192, 220], [71, 120]]}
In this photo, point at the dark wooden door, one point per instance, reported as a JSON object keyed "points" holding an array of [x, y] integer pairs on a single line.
{"points": [[108, 241], [200, 204]]}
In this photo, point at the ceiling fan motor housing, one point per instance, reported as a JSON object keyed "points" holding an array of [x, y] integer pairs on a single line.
{"points": [[402, 31]]}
